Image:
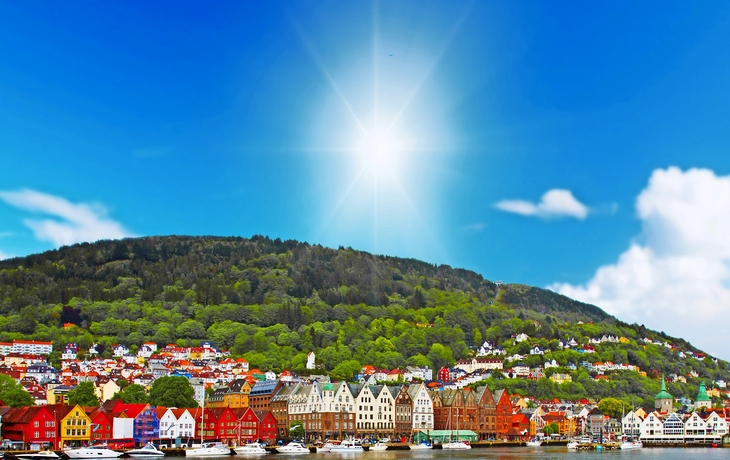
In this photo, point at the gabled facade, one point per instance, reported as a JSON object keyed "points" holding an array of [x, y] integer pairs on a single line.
{"points": [[235, 395], [31, 425], [101, 424], [631, 425], [280, 410], [486, 413], [422, 407], [403, 423], [502, 413], [469, 415], [73, 423], [226, 427]]}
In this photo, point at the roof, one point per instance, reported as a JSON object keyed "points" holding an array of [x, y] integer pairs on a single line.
{"points": [[702, 394], [663, 394]]}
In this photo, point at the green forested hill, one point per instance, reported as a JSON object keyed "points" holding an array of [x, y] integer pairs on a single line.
{"points": [[274, 301]]}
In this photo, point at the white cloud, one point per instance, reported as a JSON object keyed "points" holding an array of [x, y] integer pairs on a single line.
{"points": [[554, 203], [676, 276], [4, 256], [74, 223]]}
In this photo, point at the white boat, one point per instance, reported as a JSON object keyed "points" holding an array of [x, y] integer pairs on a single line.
{"points": [[455, 445], [41, 454], [421, 446], [209, 449], [293, 448], [572, 445], [149, 450], [92, 452], [346, 446], [534, 443], [377, 447], [632, 445], [253, 448]]}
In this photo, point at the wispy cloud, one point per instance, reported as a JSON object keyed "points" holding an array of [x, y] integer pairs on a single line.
{"points": [[554, 203], [474, 228], [4, 256], [73, 223]]}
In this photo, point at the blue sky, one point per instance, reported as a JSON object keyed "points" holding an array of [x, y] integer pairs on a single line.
{"points": [[579, 146]]}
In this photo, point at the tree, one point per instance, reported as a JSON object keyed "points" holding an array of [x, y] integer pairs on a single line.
{"points": [[346, 370], [611, 407], [132, 394], [440, 356], [296, 429], [172, 391], [13, 394], [84, 395], [551, 428]]}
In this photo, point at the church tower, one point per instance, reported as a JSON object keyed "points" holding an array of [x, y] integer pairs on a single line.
{"points": [[703, 399], [663, 401]]}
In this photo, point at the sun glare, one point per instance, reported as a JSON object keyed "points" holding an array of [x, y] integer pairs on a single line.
{"points": [[380, 151]]}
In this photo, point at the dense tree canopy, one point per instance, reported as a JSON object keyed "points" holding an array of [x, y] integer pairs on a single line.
{"points": [[172, 391], [132, 394], [274, 301], [84, 395], [13, 394]]}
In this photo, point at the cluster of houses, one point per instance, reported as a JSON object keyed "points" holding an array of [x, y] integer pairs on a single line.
{"points": [[244, 404]]}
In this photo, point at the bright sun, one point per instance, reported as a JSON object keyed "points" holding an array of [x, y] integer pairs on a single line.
{"points": [[380, 151]]}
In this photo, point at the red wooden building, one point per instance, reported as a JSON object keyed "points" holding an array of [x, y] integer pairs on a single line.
{"points": [[101, 423], [502, 413], [226, 424], [255, 425], [34, 425]]}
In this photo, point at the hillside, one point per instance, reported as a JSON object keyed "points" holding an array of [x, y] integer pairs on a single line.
{"points": [[273, 301]]}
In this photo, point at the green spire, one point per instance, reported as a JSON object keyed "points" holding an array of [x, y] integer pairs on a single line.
{"points": [[702, 394], [663, 394]]}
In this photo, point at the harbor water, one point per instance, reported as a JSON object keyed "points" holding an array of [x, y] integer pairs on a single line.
{"points": [[514, 453]]}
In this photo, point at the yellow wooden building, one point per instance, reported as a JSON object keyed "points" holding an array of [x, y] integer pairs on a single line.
{"points": [[235, 395], [74, 425]]}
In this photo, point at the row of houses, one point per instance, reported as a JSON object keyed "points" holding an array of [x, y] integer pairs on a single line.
{"points": [[58, 425]]}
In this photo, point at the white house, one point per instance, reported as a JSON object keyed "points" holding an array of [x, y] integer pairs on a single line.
{"points": [[716, 425], [422, 407], [70, 351], [119, 350], [145, 352], [386, 408], [695, 425], [631, 424], [521, 337], [310, 360], [652, 426]]}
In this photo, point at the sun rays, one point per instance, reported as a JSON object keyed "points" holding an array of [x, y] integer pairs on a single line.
{"points": [[382, 152]]}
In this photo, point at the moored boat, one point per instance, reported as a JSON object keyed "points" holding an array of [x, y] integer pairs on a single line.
{"points": [[209, 449], [377, 447], [293, 448], [92, 452], [421, 446], [347, 445], [39, 455], [149, 450], [456, 445], [253, 448], [631, 445]]}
